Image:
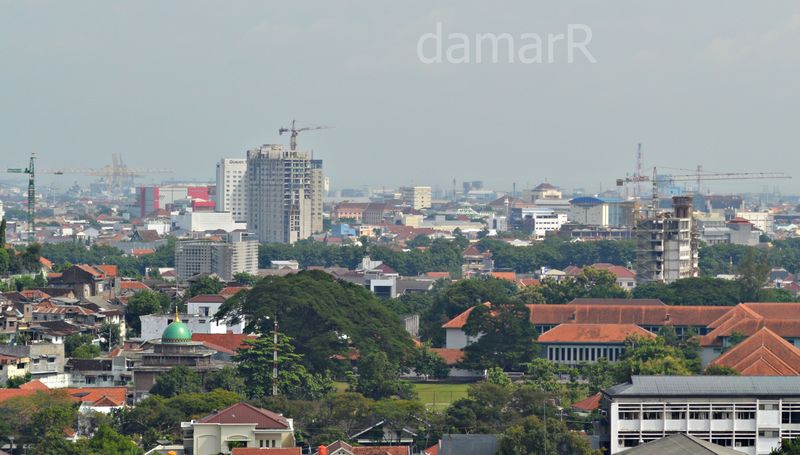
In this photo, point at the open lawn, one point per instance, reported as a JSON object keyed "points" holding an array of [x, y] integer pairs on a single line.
{"points": [[438, 395]]}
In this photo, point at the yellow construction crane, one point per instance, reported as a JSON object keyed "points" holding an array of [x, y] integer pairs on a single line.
{"points": [[116, 175], [294, 131], [698, 177]]}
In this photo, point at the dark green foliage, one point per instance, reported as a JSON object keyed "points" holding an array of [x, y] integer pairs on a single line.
{"points": [[691, 291], [86, 351], [558, 253], [176, 381], [205, 285], [323, 316], [508, 338], [227, 378], [429, 364], [77, 253], [720, 370], [245, 279], [533, 435], [379, 378], [452, 299], [143, 303], [157, 417], [16, 381], [788, 447], [72, 342], [110, 336], [590, 283], [255, 362]]}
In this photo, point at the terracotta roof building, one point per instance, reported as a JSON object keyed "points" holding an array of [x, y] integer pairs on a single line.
{"points": [[572, 344], [240, 424], [764, 353]]}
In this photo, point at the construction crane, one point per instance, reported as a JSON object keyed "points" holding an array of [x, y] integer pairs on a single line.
{"points": [[294, 131], [698, 177], [115, 175], [30, 170]]}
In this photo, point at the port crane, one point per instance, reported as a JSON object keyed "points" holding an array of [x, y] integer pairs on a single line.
{"points": [[294, 131]]}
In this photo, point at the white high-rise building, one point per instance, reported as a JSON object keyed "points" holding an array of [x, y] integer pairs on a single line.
{"points": [[418, 197], [284, 194], [239, 253], [232, 187]]}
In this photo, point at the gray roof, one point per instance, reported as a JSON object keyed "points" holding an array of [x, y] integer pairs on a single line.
{"points": [[680, 444], [469, 444], [704, 386]]}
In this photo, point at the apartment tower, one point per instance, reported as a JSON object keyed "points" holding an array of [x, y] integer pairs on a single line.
{"points": [[232, 187], [284, 194]]}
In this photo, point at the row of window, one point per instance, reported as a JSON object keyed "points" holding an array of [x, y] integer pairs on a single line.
{"points": [[695, 415]]}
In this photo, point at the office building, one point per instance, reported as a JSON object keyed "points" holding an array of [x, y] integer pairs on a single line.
{"points": [[749, 414], [232, 187], [239, 253], [418, 197], [284, 194]]}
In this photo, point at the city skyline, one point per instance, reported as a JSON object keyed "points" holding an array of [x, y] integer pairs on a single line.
{"points": [[714, 90]]}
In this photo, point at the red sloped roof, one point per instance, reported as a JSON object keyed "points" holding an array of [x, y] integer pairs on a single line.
{"points": [[614, 314], [764, 353], [92, 395], [510, 276], [589, 403], [438, 274], [133, 285], [207, 298], [266, 451], [34, 385], [111, 271], [246, 413], [229, 341], [432, 450], [592, 333], [381, 450], [449, 355], [230, 291], [142, 251]]}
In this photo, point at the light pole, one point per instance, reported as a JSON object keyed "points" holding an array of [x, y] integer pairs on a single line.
{"points": [[275, 357]]}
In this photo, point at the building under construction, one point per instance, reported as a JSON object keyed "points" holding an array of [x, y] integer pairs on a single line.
{"points": [[667, 244]]}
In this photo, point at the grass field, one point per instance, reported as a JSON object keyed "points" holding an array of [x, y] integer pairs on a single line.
{"points": [[439, 396]]}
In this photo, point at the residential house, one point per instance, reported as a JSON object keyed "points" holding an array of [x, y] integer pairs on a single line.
{"points": [[384, 433], [343, 448], [237, 426]]}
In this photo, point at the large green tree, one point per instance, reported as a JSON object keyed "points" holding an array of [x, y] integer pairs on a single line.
{"points": [[177, 380], [325, 318], [143, 303], [507, 337], [378, 378], [534, 436], [255, 365]]}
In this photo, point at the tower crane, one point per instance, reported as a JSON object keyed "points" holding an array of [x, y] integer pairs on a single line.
{"points": [[116, 175], [698, 177], [294, 131], [30, 170]]}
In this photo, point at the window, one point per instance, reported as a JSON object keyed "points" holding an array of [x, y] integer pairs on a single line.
{"points": [[676, 415], [768, 434], [790, 417], [651, 415], [768, 406], [724, 442], [629, 415], [745, 415], [747, 442], [36, 361], [698, 415], [721, 415]]}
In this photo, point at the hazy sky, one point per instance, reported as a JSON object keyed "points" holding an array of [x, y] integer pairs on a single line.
{"points": [[179, 84]]}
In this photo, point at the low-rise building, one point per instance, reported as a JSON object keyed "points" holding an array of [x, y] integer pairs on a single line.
{"points": [[749, 414], [240, 425], [573, 344]]}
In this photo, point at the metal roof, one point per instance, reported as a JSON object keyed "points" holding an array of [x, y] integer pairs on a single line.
{"points": [[707, 386], [680, 444]]}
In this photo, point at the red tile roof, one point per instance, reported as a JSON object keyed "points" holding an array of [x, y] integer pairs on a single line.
{"points": [[142, 251], [246, 413], [207, 298], [381, 450], [438, 274], [34, 385], [510, 276], [748, 318], [230, 291], [133, 285], [432, 450], [764, 353], [266, 451], [228, 341], [449, 355], [592, 333], [46, 262], [34, 294], [93, 395], [589, 403], [614, 314], [111, 271], [90, 270]]}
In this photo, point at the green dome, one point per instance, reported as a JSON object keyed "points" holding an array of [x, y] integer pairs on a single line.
{"points": [[176, 332]]}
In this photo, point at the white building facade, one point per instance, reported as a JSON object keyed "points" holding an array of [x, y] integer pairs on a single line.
{"points": [[750, 414], [232, 188]]}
